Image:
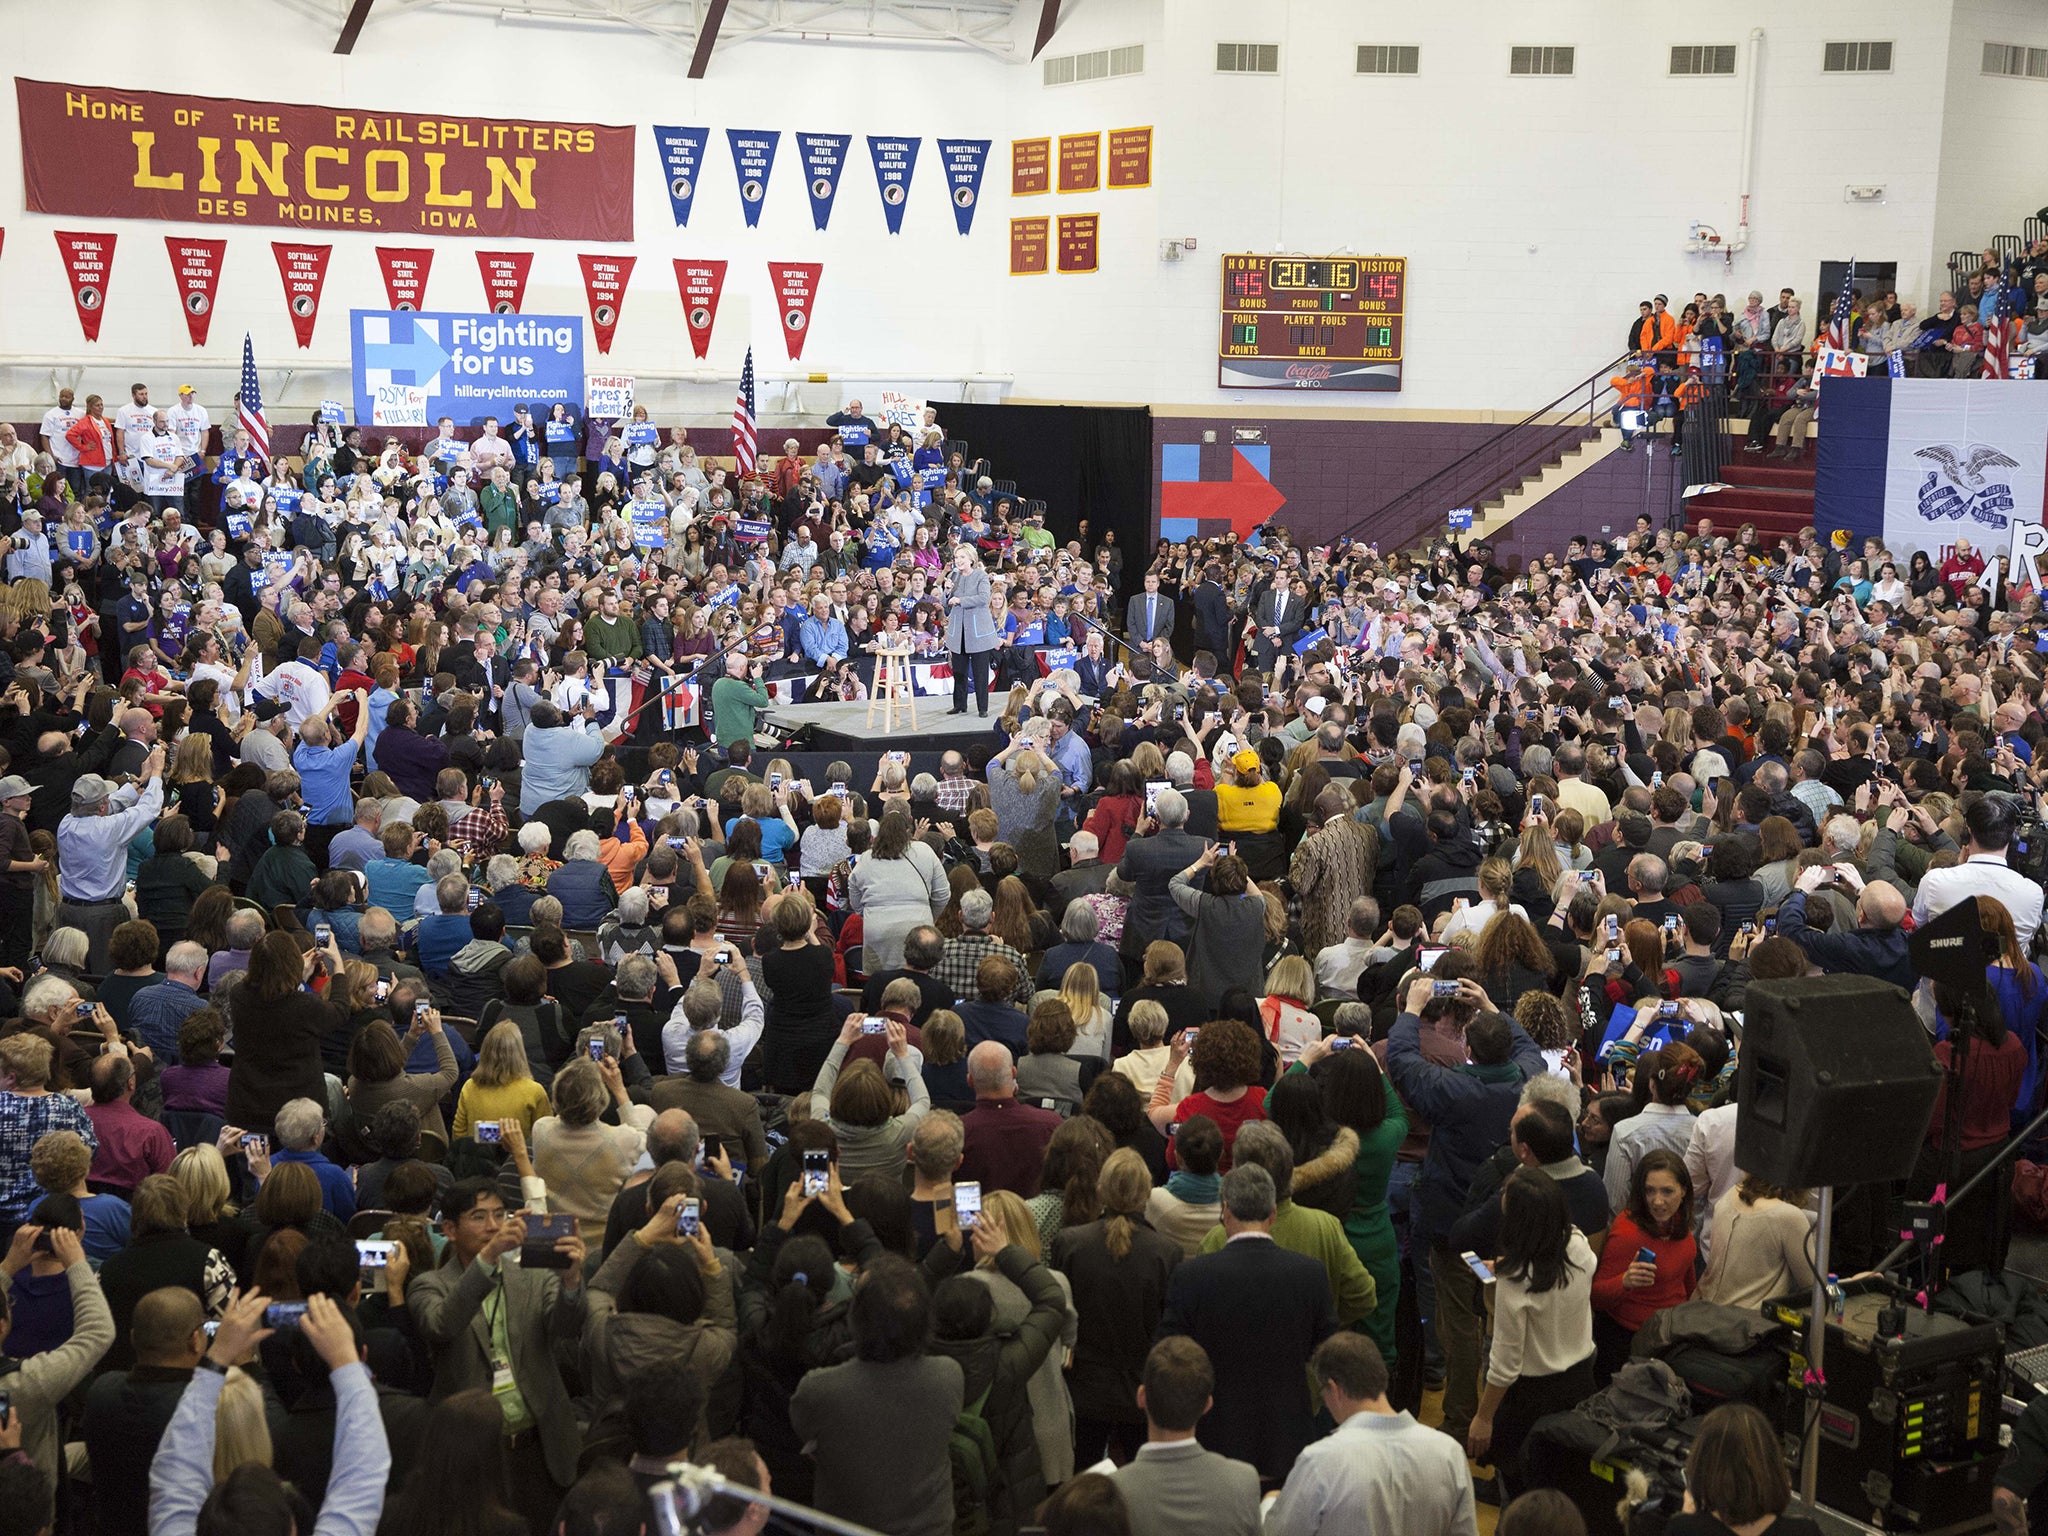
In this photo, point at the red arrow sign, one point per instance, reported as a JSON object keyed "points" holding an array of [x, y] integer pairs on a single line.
{"points": [[1247, 498]]}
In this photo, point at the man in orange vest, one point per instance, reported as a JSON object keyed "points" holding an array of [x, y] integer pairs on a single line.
{"points": [[1632, 392]]}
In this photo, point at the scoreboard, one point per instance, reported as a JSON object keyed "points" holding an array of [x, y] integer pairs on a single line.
{"points": [[1312, 322]]}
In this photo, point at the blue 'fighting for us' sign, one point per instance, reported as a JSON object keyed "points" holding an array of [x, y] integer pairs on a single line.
{"points": [[470, 365]]}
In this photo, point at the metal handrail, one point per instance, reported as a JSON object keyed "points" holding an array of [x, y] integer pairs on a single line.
{"points": [[1480, 473]]}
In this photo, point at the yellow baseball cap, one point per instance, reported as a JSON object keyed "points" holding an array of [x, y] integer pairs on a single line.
{"points": [[1245, 760]]}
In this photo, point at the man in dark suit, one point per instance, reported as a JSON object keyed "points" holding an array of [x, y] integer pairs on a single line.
{"points": [[482, 671], [1278, 616], [1086, 876], [1150, 863], [1092, 666], [1213, 617], [1259, 1311], [1148, 615]]}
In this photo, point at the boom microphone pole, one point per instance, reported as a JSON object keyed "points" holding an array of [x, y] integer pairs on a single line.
{"points": [[678, 1503]]}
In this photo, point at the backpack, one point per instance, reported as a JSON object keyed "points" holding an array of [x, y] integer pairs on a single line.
{"points": [[976, 1469]]}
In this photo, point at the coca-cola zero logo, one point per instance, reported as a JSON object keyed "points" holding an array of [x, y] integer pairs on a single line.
{"points": [[1308, 373]]}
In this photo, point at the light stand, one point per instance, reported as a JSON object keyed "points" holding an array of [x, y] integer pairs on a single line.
{"points": [[1816, 1381], [677, 1503]]}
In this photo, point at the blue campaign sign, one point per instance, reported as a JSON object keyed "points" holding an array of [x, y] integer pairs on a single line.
{"points": [[1461, 519], [469, 366]]}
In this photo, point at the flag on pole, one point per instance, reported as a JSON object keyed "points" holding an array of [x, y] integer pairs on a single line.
{"points": [[249, 403], [1838, 335], [1998, 339], [743, 444]]}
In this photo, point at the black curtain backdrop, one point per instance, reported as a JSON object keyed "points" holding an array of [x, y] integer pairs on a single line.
{"points": [[1082, 461]]}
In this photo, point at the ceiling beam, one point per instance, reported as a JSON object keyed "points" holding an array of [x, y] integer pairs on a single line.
{"points": [[1048, 23], [707, 35], [351, 29]]}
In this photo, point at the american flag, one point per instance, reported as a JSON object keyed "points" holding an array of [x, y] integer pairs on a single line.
{"points": [[1997, 339], [743, 444], [249, 403], [1838, 335]]}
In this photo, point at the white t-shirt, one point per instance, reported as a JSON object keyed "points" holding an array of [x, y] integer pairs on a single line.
{"points": [[56, 422], [301, 689], [157, 481], [191, 423], [136, 424], [228, 697]]}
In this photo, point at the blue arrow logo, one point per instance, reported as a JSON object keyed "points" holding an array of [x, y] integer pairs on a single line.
{"points": [[414, 361]]}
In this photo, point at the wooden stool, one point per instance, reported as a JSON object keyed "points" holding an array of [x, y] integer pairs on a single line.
{"points": [[893, 689]]}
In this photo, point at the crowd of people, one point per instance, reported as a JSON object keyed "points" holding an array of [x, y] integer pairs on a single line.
{"points": [[1761, 355], [431, 1105]]}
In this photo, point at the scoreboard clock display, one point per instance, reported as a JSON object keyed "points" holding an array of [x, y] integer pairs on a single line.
{"points": [[1312, 322]]}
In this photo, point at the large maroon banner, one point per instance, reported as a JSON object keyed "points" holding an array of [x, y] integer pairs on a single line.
{"points": [[149, 155]]}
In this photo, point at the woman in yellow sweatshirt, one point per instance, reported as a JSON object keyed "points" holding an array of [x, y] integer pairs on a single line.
{"points": [[1250, 802]]}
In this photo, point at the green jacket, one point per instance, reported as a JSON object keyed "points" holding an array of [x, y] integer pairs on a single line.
{"points": [[606, 640], [733, 702], [499, 508], [1321, 1237]]}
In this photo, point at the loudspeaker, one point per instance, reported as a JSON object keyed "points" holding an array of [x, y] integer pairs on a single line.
{"points": [[1837, 1081]]}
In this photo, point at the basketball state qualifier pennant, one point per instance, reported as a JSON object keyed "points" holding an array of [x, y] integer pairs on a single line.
{"points": [[195, 267], [303, 270], [604, 285], [700, 283], [1029, 239], [1078, 233], [680, 153], [405, 275], [753, 159], [1130, 157], [824, 156], [1030, 167], [796, 291], [963, 160], [88, 259], [1080, 161], [895, 163], [504, 274]]}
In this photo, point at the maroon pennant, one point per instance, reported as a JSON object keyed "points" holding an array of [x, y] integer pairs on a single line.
{"points": [[701, 282], [89, 259], [405, 274], [195, 265]]}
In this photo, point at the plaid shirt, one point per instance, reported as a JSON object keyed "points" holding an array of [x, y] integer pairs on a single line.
{"points": [[963, 957], [953, 794], [478, 831]]}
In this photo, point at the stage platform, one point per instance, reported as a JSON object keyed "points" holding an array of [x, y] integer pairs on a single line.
{"points": [[844, 728]]}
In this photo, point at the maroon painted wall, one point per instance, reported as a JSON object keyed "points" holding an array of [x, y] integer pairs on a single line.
{"points": [[1333, 474]]}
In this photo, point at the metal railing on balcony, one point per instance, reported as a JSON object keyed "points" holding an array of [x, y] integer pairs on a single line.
{"points": [[1496, 466]]}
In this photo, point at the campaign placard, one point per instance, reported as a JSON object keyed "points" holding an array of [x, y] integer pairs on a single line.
{"points": [[470, 365]]}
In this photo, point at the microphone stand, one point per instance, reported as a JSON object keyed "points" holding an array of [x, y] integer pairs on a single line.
{"points": [[1115, 640], [625, 726], [1133, 654]]}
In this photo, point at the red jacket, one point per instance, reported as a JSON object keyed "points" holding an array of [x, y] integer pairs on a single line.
{"points": [[93, 437], [348, 682]]}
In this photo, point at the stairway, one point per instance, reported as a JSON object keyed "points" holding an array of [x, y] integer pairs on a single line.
{"points": [[1773, 495], [1495, 512]]}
